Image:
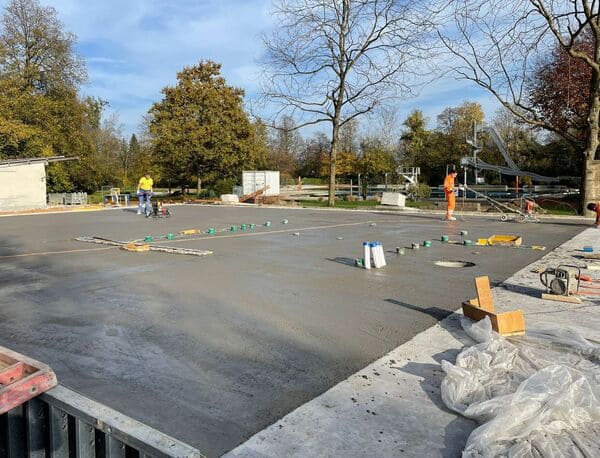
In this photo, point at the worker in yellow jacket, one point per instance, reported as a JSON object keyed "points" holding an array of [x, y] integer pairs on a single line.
{"points": [[144, 192], [449, 191]]}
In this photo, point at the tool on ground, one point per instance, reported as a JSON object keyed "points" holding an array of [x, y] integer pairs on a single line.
{"points": [[160, 248], [506, 324], [159, 210], [505, 240], [524, 213], [561, 283], [21, 379], [136, 247]]}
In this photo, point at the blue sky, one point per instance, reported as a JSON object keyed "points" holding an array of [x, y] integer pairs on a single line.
{"points": [[133, 48]]}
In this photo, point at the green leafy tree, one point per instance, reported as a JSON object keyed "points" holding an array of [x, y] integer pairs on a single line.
{"points": [[376, 160], [35, 48], [199, 130], [414, 138], [41, 113]]}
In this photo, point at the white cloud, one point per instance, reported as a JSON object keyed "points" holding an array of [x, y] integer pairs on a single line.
{"points": [[134, 48]]}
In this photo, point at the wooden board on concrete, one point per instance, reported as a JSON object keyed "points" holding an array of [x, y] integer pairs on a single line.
{"points": [[484, 293], [560, 298], [506, 324]]}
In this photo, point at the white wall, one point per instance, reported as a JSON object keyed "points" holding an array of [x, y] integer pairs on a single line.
{"points": [[22, 187], [252, 181]]}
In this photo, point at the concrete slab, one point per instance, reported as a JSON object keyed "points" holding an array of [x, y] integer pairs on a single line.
{"points": [[212, 350], [393, 407]]}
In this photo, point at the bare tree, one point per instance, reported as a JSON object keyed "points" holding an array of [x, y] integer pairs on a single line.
{"points": [[498, 44], [331, 61]]}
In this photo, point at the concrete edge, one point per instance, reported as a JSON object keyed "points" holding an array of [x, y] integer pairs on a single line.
{"points": [[246, 447], [117, 424]]}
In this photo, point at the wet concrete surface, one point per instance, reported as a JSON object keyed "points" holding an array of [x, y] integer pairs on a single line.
{"points": [[212, 350]]}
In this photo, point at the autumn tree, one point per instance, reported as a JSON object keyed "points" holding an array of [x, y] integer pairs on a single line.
{"points": [[333, 61], [496, 44], [35, 48], [560, 88], [376, 160], [200, 130]]}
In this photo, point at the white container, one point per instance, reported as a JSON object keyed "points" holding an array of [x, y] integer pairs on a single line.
{"points": [[376, 255], [253, 181], [394, 199], [367, 254], [230, 199], [381, 254]]}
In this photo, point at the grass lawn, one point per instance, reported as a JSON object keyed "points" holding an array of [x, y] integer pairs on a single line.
{"points": [[340, 204]]}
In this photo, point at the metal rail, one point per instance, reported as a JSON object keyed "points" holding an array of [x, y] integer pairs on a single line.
{"points": [[62, 423], [35, 160]]}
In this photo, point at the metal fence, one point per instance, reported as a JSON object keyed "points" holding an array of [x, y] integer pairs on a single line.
{"points": [[67, 198], [62, 423]]}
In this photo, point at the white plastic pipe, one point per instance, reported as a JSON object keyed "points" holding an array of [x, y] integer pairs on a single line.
{"points": [[381, 254], [376, 257], [367, 254]]}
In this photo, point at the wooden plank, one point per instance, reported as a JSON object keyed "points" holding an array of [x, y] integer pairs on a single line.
{"points": [[25, 379], [484, 293], [23, 390], [508, 323], [254, 194], [559, 298], [12, 373]]}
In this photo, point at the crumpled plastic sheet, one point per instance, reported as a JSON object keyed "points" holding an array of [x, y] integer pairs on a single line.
{"points": [[534, 396]]}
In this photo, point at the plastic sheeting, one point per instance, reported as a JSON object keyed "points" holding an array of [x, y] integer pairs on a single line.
{"points": [[534, 396]]}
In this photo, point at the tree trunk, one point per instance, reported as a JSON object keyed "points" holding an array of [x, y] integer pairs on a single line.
{"points": [[199, 185], [332, 158], [587, 193]]}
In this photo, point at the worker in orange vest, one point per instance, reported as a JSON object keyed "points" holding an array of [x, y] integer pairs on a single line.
{"points": [[449, 190], [595, 207]]}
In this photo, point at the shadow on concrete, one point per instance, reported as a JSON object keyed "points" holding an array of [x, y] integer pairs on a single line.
{"points": [[458, 430], [435, 312], [342, 260], [521, 289]]}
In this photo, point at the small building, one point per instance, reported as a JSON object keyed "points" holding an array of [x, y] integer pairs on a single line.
{"points": [[255, 180], [23, 182]]}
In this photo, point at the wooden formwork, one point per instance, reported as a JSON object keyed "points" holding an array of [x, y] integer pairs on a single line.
{"points": [[21, 379]]}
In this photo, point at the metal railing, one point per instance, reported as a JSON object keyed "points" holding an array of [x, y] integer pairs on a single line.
{"points": [[62, 423]]}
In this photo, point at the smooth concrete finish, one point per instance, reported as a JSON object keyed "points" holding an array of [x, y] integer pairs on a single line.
{"points": [[212, 350], [22, 186], [393, 407]]}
